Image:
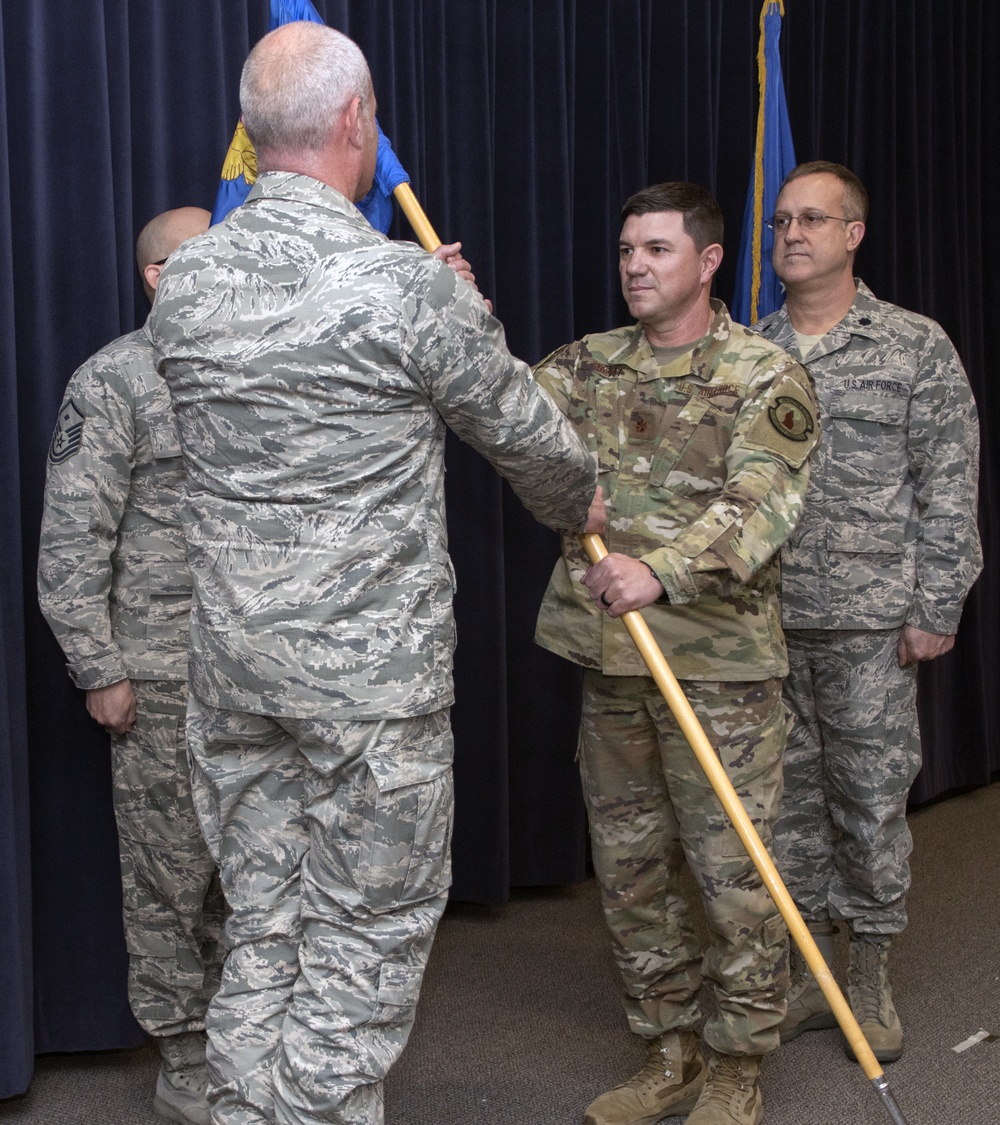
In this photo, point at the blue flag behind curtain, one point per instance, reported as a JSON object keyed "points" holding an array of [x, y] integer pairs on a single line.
{"points": [[239, 170], [758, 291]]}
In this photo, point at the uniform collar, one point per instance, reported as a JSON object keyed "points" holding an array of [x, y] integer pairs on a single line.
{"points": [[863, 318], [700, 363], [300, 188]]}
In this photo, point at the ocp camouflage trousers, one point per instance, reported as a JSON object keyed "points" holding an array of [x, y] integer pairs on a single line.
{"points": [[651, 807], [173, 909], [842, 842], [333, 845]]}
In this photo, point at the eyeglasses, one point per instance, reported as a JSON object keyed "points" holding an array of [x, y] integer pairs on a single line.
{"points": [[808, 220], [163, 260]]}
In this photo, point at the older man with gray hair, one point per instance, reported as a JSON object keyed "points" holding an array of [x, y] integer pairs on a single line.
{"points": [[314, 367]]}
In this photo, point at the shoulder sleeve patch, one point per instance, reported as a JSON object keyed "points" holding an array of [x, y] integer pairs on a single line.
{"points": [[787, 424], [68, 435]]}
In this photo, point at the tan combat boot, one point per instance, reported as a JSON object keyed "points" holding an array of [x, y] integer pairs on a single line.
{"points": [[870, 997], [183, 1079], [807, 1006], [732, 1093], [667, 1086]]}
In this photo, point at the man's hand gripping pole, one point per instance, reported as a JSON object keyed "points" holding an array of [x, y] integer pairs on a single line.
{"points": [[709, 762]]}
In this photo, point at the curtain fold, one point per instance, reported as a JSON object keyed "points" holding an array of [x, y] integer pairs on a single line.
{"points": [[16, 1025], [524, 126]]}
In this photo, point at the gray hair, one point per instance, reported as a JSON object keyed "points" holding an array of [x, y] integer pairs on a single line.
{"points": [[295, 82], [855, 196]]}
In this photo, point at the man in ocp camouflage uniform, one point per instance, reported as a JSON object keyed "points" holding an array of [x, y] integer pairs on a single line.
{"points": [[873, 581], [702, 438], [114, 586], [314, 366]]}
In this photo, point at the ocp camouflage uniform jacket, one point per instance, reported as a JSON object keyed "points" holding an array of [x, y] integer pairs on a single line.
{"points": [[313, 366], [704, 464], [113, 583], [889, 532]]}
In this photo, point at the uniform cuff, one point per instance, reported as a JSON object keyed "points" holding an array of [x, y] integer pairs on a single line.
{"points": [[670, 567], [90, 674]]}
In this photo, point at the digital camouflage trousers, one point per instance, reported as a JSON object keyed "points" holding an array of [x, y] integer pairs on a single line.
{"points": [[173, 907], [842, 842], [333, 845]]}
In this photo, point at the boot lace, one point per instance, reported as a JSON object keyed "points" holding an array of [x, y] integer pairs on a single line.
{"points": [[727, 1079], [868, 981], [654, 1071]]}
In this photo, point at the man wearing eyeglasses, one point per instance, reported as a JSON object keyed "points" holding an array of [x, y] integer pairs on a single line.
{"points": [[873, 581], [115, 588]]}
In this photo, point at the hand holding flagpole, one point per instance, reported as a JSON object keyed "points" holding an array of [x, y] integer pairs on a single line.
{"points": [[665, 680]]}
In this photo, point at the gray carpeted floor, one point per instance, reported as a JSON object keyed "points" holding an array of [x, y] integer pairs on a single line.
{"points": [[520, 1022]]}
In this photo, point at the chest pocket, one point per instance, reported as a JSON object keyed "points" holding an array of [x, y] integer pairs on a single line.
{"points": [[690, 449], [868, 437], [599, 426], [168, 468], [163, 439]]}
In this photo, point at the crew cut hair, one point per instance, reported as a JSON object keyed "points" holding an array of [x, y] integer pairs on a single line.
{"points": [[855, 196], [702, 215], [293, 88]]}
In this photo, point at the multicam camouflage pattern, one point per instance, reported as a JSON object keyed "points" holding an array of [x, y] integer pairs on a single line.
{"points": [[172, 903], [333, 909], [703, 461], [651, 807], [313, 366], [842, 842], [112, 580], [889, 532], [114, 587]]}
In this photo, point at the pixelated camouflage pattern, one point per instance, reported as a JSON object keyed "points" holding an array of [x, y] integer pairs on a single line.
{"points": [[651, 807], [112, 580], [172, 903], [114, 586], [889, 532], [703, 461], [333, 846], [842, 842], [313, 366]]}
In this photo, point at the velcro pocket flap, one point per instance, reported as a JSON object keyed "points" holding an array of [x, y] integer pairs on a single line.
{"points": [[870, 539]]}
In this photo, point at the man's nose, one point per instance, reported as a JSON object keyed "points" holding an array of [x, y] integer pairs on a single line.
{"points": [[793, 232]]}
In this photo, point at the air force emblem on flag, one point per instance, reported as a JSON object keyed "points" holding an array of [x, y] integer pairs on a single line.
{"points": [[69, 434]]}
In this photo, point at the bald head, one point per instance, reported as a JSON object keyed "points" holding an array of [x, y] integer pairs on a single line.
{"points": [[303, 85], [161, 236]]}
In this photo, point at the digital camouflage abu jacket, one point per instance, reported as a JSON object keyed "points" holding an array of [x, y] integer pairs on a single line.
{"points": [[313, 366], [113, 582], [889, 532]]}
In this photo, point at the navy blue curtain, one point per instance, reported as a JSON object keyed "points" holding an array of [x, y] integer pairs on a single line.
{"points": [[523, 125]]}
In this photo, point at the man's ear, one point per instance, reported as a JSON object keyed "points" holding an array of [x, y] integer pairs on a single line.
{"points": [[354, 122], [151, 275], [711, 259], [855, 233]]}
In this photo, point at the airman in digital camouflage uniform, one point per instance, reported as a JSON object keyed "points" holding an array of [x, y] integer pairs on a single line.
{"points": [[314, 367], [114, 586], [873, 581], [702, 438]]}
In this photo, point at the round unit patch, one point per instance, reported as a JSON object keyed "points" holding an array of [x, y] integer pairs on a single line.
{"points": [[791, 419]]}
